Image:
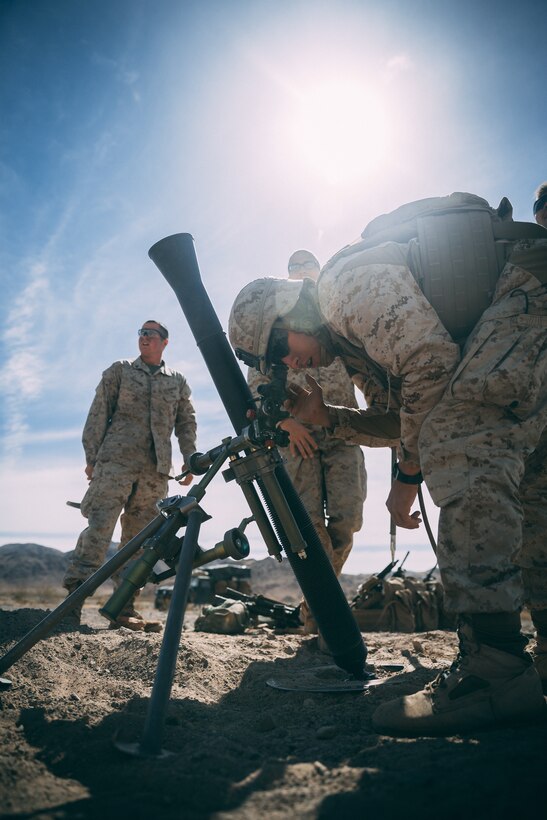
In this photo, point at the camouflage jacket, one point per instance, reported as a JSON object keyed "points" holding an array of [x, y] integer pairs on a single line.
{"points": [[384, 329], [134, 414]]}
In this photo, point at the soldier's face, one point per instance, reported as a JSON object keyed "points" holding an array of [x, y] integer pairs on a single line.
{"points": [[541, 215], [304, 351], [151, 347], [302, 265]]}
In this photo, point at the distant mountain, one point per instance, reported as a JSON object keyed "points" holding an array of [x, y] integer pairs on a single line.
{"points": [[277, 580], [33, 564], [29, 565]]}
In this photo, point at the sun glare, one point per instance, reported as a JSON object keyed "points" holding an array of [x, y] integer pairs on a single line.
{"points": [[340, 129]]}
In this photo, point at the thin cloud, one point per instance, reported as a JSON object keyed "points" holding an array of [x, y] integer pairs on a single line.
{"points": [[26, 346], [399, 63], [21, 375], [50, 436], [126, 76]]}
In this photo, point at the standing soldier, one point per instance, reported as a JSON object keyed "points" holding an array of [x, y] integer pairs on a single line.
{"points": [[127, 443], [318, 463]]}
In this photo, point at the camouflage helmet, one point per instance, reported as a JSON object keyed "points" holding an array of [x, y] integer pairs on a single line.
{"points": [[255, 311]]}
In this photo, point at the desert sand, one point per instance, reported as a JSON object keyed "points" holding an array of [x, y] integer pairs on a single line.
{"points": [[239, 748]]}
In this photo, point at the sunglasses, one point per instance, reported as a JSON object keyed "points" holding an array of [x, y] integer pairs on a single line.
{"points": [[309, 265], [151, 332], [540, 203]]}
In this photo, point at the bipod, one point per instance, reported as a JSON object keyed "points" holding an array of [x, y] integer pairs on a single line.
{"points": [[280, 515], [158, 539]]}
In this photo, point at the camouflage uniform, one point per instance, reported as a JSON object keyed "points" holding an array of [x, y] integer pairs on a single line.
{"points": [[127, 439], [476, 423], [322, 481]]}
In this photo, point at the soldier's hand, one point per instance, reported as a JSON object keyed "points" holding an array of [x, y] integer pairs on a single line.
{"points": [[308, 405], [399, 503], [188, 478], [301, 441], [89, 471]]}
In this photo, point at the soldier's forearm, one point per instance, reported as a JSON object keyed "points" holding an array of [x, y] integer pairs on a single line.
{"points": [[367, 427]]}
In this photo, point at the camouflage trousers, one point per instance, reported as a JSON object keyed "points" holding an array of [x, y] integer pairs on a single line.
{"points": [[114, 488], [484, 456], [332, 486]]}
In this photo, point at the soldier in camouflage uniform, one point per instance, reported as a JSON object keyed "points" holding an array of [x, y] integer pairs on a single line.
{"points": [[127, 444], [317, 462], [473, 422]]}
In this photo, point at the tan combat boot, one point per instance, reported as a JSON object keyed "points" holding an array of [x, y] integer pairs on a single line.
{"points": [[309, 624], [73, 618], [483, 687], [131, 619], [309, 627]]}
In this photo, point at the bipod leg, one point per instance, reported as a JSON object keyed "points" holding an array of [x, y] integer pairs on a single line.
{"points": [[150, 745], [79, 595]]}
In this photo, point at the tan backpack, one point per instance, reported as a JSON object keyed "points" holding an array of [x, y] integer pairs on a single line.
{"points": [[400, 604], [229, 618], [457, 248]]}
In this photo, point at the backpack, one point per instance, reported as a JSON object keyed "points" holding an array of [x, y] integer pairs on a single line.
{"points": [[457, 248], [229, 618], [400, 604]]}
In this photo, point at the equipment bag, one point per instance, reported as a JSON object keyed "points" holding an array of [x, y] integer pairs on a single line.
{"points": [[230, 618], [457, 248], [400, 604]]}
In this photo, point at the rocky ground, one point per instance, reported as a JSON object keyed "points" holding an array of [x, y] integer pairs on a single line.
{"points": [[238, 748]]}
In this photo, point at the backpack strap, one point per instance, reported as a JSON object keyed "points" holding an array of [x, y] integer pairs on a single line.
{"points": [[457, 267], [513, 231]]}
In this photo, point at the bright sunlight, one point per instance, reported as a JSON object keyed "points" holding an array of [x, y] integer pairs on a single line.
{"points": [[341, 130]]}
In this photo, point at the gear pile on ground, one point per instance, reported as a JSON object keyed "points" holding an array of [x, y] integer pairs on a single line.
{"points": [[400, 604]]}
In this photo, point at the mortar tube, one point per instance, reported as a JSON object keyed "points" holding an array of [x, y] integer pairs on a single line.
{"points": [[175, 256]]}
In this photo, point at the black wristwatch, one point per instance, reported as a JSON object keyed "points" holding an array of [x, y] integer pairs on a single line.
{"points": [[404, 478]]}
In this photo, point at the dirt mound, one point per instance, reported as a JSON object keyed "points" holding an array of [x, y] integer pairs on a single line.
{"points": [[241, 749]]}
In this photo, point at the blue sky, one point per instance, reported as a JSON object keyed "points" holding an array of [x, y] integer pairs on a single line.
{"points": [[259, 127]]}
